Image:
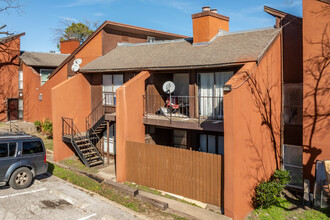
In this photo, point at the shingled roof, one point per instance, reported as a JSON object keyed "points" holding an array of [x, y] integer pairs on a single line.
{"points": [[224, 49], [43, 59]]}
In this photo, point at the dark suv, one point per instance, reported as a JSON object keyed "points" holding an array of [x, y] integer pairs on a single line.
{"points": [[22, 157]]}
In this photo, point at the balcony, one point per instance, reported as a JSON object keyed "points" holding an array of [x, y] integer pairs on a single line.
{"points": [[186, 112]]}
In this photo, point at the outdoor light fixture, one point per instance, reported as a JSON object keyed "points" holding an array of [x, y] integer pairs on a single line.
{"points": [[226, 88], [40, 97]]}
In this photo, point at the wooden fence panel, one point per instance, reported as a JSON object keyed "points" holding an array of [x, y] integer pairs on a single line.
{"points": [[191, 174]]}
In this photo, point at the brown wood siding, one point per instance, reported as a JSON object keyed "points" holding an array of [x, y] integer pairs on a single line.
{"points": [[191, 174], [96, 90]]}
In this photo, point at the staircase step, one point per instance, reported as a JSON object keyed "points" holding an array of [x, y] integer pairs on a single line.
{"points": [[81, 140], [89, 154], [84, 145], [96, 163], [92, 158], [87, 149]]}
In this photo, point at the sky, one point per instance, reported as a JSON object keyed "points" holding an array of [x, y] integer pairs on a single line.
{"points": [[39, 18]]}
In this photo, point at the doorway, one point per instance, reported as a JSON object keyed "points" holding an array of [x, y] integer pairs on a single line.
{"points": [[12, 109]]}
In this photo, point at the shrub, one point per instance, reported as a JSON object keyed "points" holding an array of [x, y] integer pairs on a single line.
{"points": [[267, 192], [38, 125], [47, 128], [283, 176]]}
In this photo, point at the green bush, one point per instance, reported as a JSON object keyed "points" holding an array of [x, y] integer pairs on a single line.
{"points": [[47, 128], [267, 192], [283, 176], [38, 125]]}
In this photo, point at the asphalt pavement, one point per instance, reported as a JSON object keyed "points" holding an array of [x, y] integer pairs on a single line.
{"points": [[52, 198]]}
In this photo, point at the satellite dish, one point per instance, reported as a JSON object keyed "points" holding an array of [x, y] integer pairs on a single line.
{"points": [[168, 87], [75, 67], [77, 61]]}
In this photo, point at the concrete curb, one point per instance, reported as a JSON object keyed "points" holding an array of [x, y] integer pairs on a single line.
{"points": [[131, 191], [118, 186]]}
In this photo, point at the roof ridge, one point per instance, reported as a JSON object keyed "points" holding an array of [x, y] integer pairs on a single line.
{"points": [[46, 53], [154, 43]]}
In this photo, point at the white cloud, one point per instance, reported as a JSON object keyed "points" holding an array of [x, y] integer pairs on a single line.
{"points": [[69, 19], [77, 3], [98, 14], [185, 6]]}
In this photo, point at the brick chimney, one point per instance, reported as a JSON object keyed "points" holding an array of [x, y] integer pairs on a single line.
{"points": [[207, 23], [68, 46]]}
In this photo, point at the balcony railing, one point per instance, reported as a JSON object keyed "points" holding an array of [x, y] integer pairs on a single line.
{"points": [[106, 106], [184, 107]]}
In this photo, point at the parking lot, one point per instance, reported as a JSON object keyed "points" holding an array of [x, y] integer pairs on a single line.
{"points": [[52, 198]]}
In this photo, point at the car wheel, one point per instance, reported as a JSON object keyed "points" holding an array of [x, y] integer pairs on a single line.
{"points": [[21, 178]]}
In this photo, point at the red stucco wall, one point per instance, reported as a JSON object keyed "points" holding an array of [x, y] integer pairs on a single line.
{"points": [[77, 106], [129, 119], [251, 130], [9, 64], [316, 122], [43, 109]]}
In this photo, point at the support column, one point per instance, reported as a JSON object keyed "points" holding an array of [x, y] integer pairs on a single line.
{"points": [[108, 142]]}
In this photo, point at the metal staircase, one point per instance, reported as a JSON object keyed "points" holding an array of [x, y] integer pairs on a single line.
{"points": [[96, 123], [81, 142]]}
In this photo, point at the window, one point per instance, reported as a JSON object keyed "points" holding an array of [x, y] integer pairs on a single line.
{"points": [[180, 138], [211, 144], [293, 162], [44, 73], [32, 147], [12, 149], [3, 150], [20, 108], [210, 92], [7, 149], [151, 39], [20, 79], [293, 104]]}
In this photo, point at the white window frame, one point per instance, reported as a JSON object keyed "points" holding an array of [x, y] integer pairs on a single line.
{"points": [[20, 79], [41, 72]]}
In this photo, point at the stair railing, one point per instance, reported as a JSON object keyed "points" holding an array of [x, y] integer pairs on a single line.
{"points": [[106, 106], [97, 143]]}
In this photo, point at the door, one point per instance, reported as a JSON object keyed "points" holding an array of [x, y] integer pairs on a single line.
{"points": [[7, 157], [210, 89], [111, 82], [12, 109], [112, 140]]}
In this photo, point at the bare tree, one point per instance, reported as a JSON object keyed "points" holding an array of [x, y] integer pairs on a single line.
{"points": [[5, 6], [8, 58]]}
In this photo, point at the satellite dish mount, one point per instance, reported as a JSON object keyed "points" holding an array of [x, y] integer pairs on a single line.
{"points": [[169, 87]]}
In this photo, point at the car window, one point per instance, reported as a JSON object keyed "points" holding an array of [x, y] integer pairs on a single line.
{"points": [[32, 147], [4, 150], [12, 149]]}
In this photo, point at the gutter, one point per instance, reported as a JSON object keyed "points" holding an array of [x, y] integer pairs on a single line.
{"points": [[166, 68]]}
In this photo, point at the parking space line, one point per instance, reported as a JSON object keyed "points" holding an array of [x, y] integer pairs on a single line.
{"points": [[23, 193], [87, 217]]}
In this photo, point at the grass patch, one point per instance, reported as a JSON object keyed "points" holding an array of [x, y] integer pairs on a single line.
{"points": [[74, 162], [287, 210], [158, 193], [108, 192]]}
